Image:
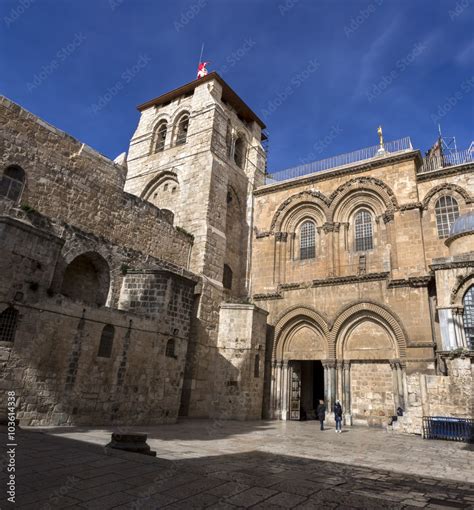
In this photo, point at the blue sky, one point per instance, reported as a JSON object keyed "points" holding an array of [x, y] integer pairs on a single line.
{"points": [[322, 74]]}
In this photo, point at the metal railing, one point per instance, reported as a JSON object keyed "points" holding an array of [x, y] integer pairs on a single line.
{"points": [[393, 147], [452, 429], [450, 159]]}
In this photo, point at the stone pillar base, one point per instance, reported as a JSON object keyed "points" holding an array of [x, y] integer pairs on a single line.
{"points": [[348, 420]]}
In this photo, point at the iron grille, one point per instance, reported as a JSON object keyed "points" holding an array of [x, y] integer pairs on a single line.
{"points": [[446, 211], [363, 231], [8, 323], [307, 241], [468, 317]]}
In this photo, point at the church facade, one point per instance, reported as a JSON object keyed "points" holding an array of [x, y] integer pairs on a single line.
{"points": [[182, 279]]}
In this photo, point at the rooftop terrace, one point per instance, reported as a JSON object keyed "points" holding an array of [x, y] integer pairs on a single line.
{"points": [[392, 148]]}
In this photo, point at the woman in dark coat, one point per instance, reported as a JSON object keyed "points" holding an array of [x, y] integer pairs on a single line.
{"points": [[321, 412], [338, 415]]}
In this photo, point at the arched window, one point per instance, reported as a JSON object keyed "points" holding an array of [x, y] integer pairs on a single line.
{"points": [[256, 366], [307, 241], [239, 152], [468, 317], [106, 341], [446, 211], [228, 139], [8, 323], [161, 136], [11, 185], [170, 348], [363, 231], [227, 277], [182, 129]]}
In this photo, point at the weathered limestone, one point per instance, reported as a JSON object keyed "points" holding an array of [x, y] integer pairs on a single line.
{"points": [[76, 356], [239, 374], [210, 196], [132, 284]]}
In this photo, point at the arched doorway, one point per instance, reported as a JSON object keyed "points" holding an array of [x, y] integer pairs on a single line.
{"points": [[370, 370], [298, 375]]}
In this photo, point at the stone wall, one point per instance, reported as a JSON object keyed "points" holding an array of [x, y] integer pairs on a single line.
{"points": [[240, 360], [76, 247], [53, 363], [69, 182], [450, 395], [372, 398], [211, 201]]}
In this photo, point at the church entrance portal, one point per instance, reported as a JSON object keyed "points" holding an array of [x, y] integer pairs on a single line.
{"points": [[306, 388]]}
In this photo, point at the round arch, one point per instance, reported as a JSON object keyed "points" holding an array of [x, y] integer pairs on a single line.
{"points": [[87, 279], [443, 189], [156, 181], [354, 314], [314, 199], [291, 323], [361, 191], [463, 283]]}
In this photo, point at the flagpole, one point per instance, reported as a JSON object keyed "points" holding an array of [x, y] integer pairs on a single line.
{"points": [[202, 51]]}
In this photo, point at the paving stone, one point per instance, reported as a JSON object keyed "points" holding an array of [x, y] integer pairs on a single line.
{"points": [[108, 501], [251, 496], [281, 500], [276, 480], [228, 489]]}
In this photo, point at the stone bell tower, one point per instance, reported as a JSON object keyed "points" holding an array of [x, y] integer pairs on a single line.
{"points": [[197, 152]]}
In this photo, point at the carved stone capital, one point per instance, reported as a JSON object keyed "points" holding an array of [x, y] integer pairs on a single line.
{"points": [[281, 236], [388, 216], [328, 227]]}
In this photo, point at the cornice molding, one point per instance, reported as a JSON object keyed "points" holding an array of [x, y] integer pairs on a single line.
{"points": [[457, 236], [331, 174], [444, 172]]}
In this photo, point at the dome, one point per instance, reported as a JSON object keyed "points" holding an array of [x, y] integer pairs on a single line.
{"points": [[465, 223]]}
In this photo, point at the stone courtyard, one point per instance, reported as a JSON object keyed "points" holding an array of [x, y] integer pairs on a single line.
{"points": [[226, 464]]}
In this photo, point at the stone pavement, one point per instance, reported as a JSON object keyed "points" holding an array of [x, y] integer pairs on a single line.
{"points": [[226, 465]]}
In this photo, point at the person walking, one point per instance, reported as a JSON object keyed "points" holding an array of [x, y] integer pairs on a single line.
{"points": [[321, 412], [338, 415]]}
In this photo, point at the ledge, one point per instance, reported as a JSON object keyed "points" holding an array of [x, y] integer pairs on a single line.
{"points": [[336, 172]]}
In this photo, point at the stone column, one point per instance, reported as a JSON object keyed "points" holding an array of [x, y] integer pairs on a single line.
{"points": [[346, 405], [396, 389], [332, 384], [458, 327], [404, 387], [280, 256], [340, 382], [326, 382], [278, 369], [284, 393], [273, 389]]}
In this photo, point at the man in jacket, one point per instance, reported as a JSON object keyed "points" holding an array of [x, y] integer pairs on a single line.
{"points": [[321, 412], [338, 415]]}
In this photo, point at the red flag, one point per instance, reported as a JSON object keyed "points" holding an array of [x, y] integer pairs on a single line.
{"points": [[202, 71]]}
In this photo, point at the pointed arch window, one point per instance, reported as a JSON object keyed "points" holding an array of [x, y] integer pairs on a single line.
{"points": [[446, 212], [307, 241], [228, 139], [170, 348], [468, 317], [227, 277], [161, 132], [364, 236], [182, 129], [106, 341], [8, 324], [12, 183], [239, 152]]}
